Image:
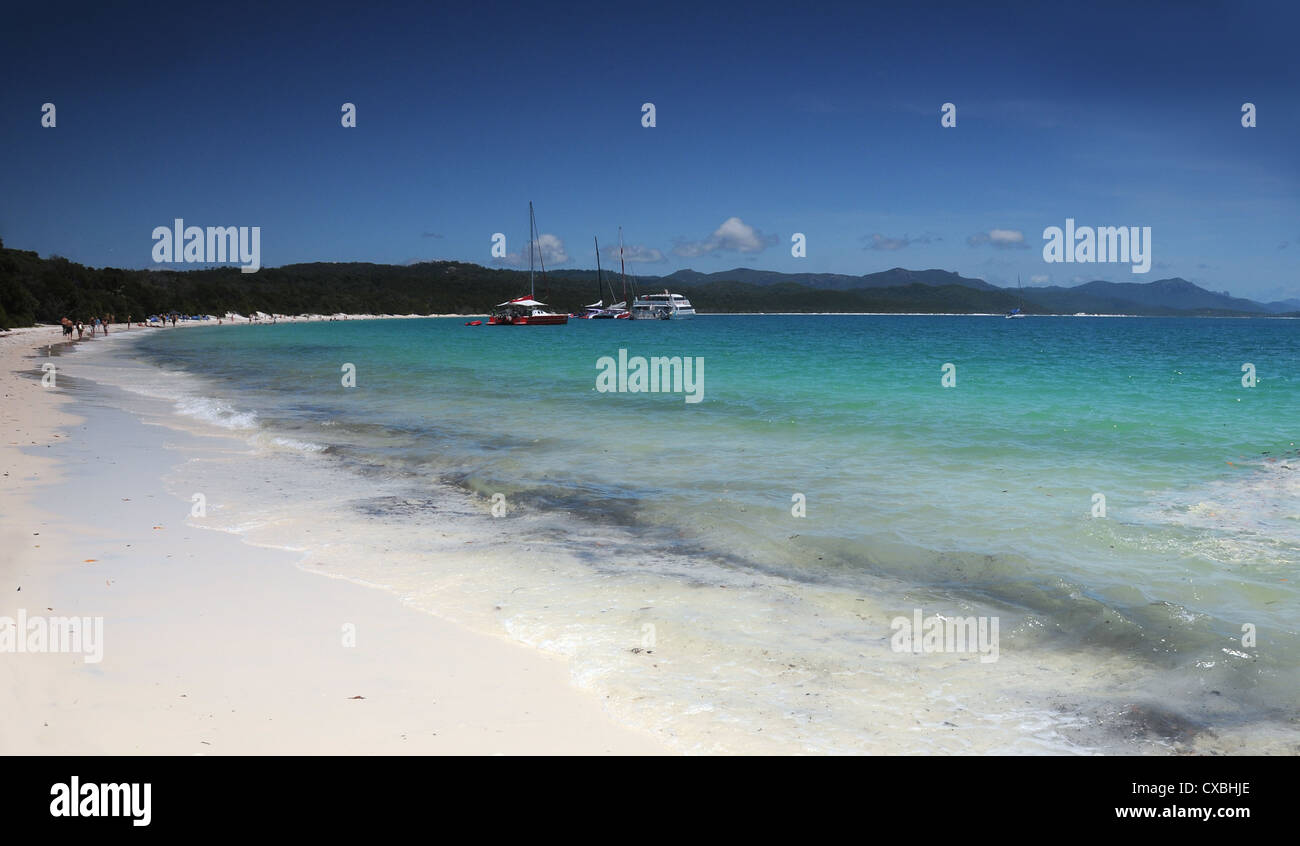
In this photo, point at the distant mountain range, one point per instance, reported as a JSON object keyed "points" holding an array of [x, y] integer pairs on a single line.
{"points": [[1124, 297], [1163, 296], [832, 281], [36, 289]]}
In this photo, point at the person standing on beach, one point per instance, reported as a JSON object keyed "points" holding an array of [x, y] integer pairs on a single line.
{"points": [[106, 325], [80, 329]]}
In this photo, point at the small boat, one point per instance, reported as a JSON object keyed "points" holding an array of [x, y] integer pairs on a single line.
{"points": [[604, 314], [588, 312]]}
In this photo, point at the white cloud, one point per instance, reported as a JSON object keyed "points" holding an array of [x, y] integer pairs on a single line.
{"points": [[1039, 279], [633, 253], [548, 251], [1002, 239], [880, 242], [733, 235]]}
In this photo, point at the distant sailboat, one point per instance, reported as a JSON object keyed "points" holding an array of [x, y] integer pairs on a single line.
{"points": [[620, 310], [1019, 311], [527, 311], [597, 310]]}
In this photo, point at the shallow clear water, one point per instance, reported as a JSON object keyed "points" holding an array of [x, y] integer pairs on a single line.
{"points": [[653, 541]]}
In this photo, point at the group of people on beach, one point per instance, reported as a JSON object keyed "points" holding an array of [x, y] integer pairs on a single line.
{"points": [[97, 324], [100, 324]]}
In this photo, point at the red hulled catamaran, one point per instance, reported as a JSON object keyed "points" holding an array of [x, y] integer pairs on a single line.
{"points": [[527, 311]]}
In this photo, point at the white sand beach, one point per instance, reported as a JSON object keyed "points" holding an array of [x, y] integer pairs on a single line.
{"points": [[213, 646]]}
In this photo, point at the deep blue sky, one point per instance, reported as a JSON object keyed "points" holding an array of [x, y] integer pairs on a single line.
{"points": [[791, 117]]}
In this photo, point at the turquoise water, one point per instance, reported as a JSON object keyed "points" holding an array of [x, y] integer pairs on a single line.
{"points": [[980, 497]]}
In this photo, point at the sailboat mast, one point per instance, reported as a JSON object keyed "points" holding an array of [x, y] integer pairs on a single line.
{"points": [[600, 293], [623, 269], [532, 294], [541, 259]]}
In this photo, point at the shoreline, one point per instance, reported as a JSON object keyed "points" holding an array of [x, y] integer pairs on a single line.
{"points": [[270, 320], [238, 650], [273, 507]]}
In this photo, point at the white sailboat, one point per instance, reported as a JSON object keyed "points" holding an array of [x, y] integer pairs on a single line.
{"points": [[1018, 311], [597, 310]]}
